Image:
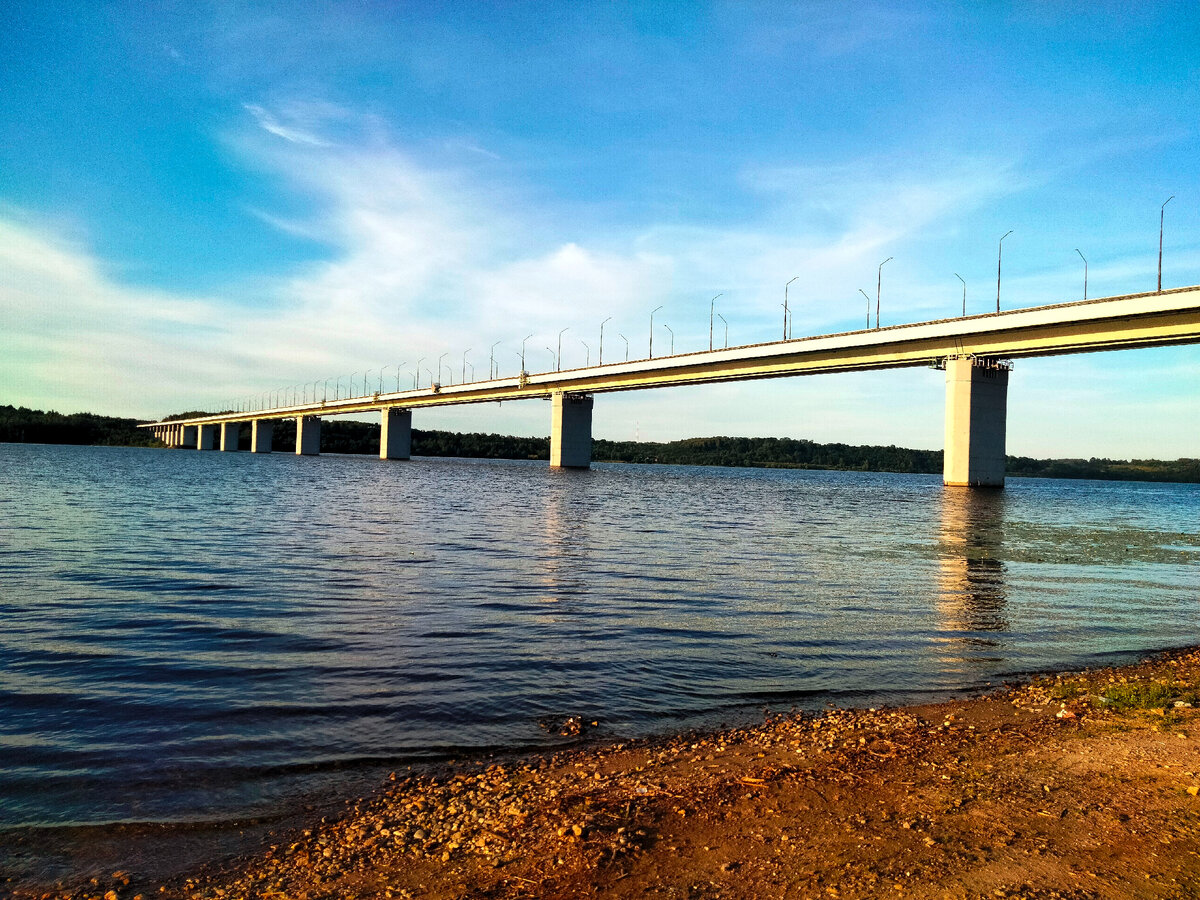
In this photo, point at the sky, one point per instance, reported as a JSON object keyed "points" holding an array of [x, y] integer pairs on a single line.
{"points": [[201, 202]]}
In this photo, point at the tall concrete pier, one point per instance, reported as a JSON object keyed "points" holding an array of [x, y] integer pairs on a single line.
{"points": [[395, 433], [308, 435], [571, 431], [976, 421], [261, 432]]}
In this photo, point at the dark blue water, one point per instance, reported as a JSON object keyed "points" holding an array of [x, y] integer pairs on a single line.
{"points": [[188, 636]]}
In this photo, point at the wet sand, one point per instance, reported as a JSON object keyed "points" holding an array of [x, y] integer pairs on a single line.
{"points": [[1077, 785]]}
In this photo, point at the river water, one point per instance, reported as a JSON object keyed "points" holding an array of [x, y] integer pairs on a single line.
{"points": [[196, 636]]}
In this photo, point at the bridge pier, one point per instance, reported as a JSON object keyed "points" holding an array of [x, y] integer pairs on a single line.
{"points": [[229, 435], [206, 437], [976, 422], [188, 437], [571, 431], [261, 432], [308, 435], [395, 433]]}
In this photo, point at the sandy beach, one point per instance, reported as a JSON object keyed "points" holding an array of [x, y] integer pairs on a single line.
{"points": [[1074, 785]]}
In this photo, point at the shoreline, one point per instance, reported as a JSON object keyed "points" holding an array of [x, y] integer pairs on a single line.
{"points": [[1067, 785]]}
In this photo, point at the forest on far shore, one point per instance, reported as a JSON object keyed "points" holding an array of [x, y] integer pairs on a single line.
{"points": [[21, 425]]}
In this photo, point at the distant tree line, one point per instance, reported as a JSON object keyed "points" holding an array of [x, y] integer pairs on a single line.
{"points": [[20, 425]]}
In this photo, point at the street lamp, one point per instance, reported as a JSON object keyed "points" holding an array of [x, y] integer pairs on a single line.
{"points": [[711, 307], [626, 340], [878, 284], [365, 374], [431, 378], [960, 278], [722, 318], [785, 308], [492, 361], [440, 358], [417, 373], [868, 299], [601, 362], [465, 352], [589, 353], [652, 312], [558, 356], [1084, 258], [1161, 213], [668, 327], [999, 255], [381, 371], [527, 337], [555, 357], [350, 392]]}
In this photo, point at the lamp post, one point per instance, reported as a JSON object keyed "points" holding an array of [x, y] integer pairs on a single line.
{"points": [[431, 378], [722, 318], [878, 284], [417, 373], [325, 392], [465, 352], [553, 356], [558, 356], [668, 327], [1084, 258], [527, 337], [868, 299], [398, 365], [602, 324], [381, 371], [960, 278], [492, 361], [1161, 213], [999, 255], [711, 308], [588, 357], [652, 312], [440, 358], [350, 391], [785, 308], [626, 340]]}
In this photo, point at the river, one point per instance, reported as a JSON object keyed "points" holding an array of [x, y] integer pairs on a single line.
{"points": [[195, 636]]}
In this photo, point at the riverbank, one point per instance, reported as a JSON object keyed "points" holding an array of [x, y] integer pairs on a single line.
{"points": [[1071, 786]]}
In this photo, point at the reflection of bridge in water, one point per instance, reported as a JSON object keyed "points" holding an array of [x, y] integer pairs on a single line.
{"points": [[972, 596], [974, 351]]}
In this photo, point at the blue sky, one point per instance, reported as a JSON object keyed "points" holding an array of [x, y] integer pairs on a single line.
{"points": [[204, 201]]}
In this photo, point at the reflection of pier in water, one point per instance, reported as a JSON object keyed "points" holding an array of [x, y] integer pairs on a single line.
{"points": [[971, 598]]}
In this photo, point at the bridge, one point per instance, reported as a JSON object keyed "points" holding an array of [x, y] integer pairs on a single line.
{"points": [[975, 351]]}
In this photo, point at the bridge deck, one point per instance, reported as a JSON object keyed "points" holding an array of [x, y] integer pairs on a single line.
{"points": [[1110, 323]]}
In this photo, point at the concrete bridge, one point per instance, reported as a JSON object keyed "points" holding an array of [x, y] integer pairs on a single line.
{"points": [[975, 352]]}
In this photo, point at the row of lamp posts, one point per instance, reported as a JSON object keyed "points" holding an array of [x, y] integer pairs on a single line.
{"points": [[280, 395]]}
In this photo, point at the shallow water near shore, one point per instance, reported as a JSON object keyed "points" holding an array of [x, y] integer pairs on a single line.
{"points": [[200, 636]]}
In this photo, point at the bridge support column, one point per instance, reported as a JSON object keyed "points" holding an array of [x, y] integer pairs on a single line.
{"points": [[308, 435], [229, 435], [206, 437], [261, 432], [395, 433], [571, 431], [188, 438], [976, 421]]}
